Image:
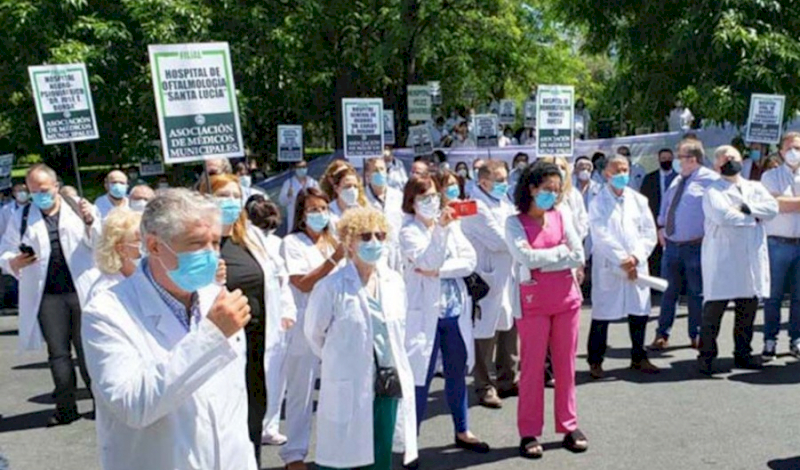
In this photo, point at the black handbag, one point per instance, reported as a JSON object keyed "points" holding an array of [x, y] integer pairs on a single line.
{"points": [[387, 381], [478, 289]]}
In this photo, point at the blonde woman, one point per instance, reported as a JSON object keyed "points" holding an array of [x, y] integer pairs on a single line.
{"points": [[117, 255], [360, 336]]}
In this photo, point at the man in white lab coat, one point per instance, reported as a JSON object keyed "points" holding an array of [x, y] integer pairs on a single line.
{"points": [[116, 184], [735, 258], [291, 188], [389, 201], [637, 172], [494, 330], [623, 236], [48, 247], [395, 170], [166, 350]]}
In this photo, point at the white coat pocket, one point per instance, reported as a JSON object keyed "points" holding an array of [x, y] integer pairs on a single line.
{"points": [[336, 401]]}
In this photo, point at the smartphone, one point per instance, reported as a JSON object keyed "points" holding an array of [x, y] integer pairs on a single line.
{"points": [[464, 208], [26, 250]]}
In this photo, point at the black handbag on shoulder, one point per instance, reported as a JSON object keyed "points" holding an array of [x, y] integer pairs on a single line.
{"points": [[478, 289]]}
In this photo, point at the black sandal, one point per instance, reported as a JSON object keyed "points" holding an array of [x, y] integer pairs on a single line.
{"points": [[529, 448], [576, 442]]}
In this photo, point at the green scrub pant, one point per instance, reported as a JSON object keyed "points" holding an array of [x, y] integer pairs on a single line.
{"points": [[384, 415]]}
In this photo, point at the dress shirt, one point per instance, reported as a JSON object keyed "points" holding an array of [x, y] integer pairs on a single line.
{"points": [[783, 182], [689, 217]]}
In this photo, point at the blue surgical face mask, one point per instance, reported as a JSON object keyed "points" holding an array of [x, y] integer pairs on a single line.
{"points": [[370, 252], [118, 190], [21, 197], [620, 180], [301, 172], [317, 221], [43, 200], [230, 208], [452, 192], [246, 181], [378, 179], [545, 200], [755, 154], [196, 269], [499, 190], [676, 165]]}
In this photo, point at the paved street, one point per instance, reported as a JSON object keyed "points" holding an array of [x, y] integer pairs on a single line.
{"points": [[676, 420]]}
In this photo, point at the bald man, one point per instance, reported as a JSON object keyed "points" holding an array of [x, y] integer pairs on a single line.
{"points": [[116, 185]]}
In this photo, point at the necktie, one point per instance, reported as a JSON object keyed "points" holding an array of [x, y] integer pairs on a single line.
{"points": [[673, 207]]}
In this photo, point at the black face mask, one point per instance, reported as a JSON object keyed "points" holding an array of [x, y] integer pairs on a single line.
{"points": [[732, 168], [666, 166]]}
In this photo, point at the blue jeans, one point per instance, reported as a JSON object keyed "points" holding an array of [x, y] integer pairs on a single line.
{"points": [[784, 270], [454, 360], [681, 266]]}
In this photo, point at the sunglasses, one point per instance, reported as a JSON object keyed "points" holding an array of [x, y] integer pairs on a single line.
{"points": [[367, 236]]}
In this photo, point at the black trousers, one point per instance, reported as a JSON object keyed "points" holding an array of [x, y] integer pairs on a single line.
{"points": [[742, 331], [60, 322], [256, 384], [598, 339]]}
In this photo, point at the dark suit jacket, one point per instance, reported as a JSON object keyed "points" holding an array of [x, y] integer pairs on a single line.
{"points": [[651, 189]]}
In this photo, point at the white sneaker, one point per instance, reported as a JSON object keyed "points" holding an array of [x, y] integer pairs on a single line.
{"points": [[273, 439], [769, 350]]}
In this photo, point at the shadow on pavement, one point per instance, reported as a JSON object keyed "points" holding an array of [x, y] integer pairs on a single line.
{"points": [[784, 464], [679, 371], [9, 333], [33, 420], [47, 398], [32, 366], [772, 375]]}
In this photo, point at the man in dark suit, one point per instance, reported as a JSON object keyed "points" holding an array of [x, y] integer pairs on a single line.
{"points": [[654, 186]]}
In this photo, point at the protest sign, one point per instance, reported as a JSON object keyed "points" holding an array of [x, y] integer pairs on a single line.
{"points": [[485, 126], [389, 137], [290, 143], [363, 128], [436, 93], [421, 139], [530, 114], [198, 114], [419, 103], [555, 120], [63, 103], [150, 162], [765, 123], [508, 112], [6, 165]]}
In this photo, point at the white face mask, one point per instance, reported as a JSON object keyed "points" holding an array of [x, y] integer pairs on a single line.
{"points": [[428, 208], [584, 175], [349, 196], [792, 157], [137, 204]]}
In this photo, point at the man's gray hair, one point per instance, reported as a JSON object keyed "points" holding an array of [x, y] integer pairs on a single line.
{"points": [[44, 169], [168, 214], [618, 159], [225, 166], [726, 150], [694, 148]]}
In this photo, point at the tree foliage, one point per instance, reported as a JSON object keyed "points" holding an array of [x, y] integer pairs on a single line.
{"points": [[293, 59]]}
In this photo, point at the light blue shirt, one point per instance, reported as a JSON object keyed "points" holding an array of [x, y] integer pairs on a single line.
{"points": [[176, 307], [380, 334], [689, 216]]}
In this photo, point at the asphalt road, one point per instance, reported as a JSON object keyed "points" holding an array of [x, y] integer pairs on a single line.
{"points": [[675, 420]]}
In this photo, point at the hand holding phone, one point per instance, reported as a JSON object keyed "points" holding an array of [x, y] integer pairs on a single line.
{"points": [[464, 208], [26, 250]]}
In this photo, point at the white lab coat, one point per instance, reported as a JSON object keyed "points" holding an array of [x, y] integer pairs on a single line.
{"points": [[621, 227], [486, 232], [104, 205], [735, 257], [392, 208], [166, 399], [572, 207], [637, 173], [103, 282], [339, 328], [396, 175], [6, 212], [288, 202], [428, 250], [77, 244]]}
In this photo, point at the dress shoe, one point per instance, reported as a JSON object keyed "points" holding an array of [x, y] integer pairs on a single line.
{"points": [[645, 366], [704, 367], [490, 399], [659, 344], [596, 371], [62, 418], [512, 391], [478, 447], [413, 465], [299, 465], [748, 363], [273, 439], [695, 343]]}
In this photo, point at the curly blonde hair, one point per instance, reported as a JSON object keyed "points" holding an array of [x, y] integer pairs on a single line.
{"points": [[122, 224], [360, 220]]}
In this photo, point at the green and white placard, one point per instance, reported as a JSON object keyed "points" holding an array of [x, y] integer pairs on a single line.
{"points": [[363, 128], [63, 102], [486, 132], [508, 112], [530, 113], [389, 137], [765, 123], [419, 103], [555, 120], [290, 143], [150, 162], [198, 114]]}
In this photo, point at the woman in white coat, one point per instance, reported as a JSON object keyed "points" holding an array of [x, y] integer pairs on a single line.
{"points": [[262, 278], [735, 258], [117, 254], [438, 256], [354, 323], [624, 235], [311, 253], [389, 202], [348, 192]]}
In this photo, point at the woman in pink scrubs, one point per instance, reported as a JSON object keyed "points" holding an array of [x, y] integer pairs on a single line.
{"points": [[547, 249]]}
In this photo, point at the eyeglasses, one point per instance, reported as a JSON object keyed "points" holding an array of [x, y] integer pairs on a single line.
{"points": [[367, 236], [684, 156]]}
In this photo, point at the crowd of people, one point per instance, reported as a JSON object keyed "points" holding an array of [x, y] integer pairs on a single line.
{"points": [[193, 321]]}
